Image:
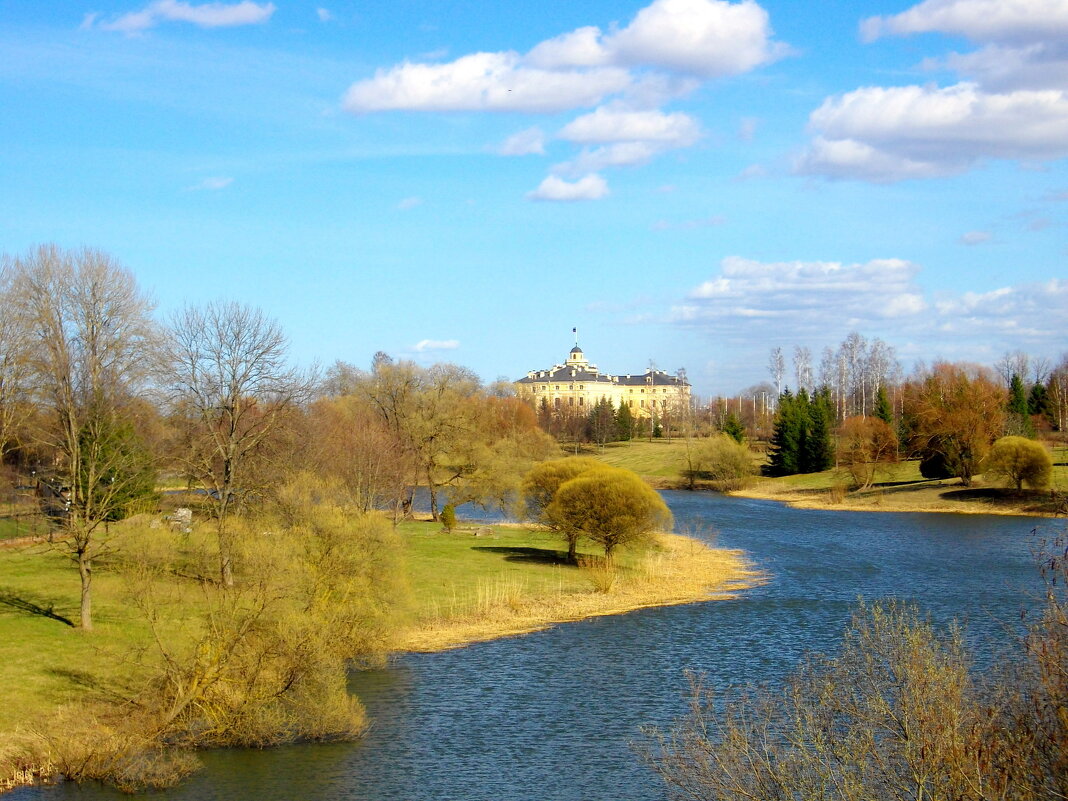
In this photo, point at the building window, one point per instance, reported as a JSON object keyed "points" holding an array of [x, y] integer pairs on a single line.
{"points": [[570, 401], [643, 404], [582, 401], [557, 387], [556, 403], [630, 402]]}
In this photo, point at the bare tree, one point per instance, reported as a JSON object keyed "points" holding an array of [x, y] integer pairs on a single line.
{"points": [[1014, 362], [228, 375], [855, 351], [777, 368], [803, 368], [14, 364], [431, 411], [91, 335]]}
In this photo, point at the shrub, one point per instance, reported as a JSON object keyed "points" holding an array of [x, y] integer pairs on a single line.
{"points": [[1020, 461], [448, 518]]}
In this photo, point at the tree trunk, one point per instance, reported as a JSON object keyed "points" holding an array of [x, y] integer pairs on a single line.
{"points": [[433, 497], [85, 570], [572, 550], [226, 555]]}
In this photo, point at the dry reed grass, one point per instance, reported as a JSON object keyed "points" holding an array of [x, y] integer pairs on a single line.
{"points": [[676, 570]]}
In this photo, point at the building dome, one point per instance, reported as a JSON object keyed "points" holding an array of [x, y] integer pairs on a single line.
{"points": [[575, 350]]}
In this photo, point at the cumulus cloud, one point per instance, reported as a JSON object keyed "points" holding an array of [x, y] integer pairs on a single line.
{"points": [[206, 15], [1012, 103], [808, 301], [978, 20], [708, 38], [621, 125], [627, 137], [554, 188], [703, 38], [409, 203], [324, 14], [524, 143], [424, 345], [482, 82], [887, 134]]}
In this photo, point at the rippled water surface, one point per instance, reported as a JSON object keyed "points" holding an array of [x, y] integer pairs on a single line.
{"points": [[554, 715]]}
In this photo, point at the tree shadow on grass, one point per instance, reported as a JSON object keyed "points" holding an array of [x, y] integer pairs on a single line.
{"points": [[23, 602], [541, 556], [1025, 500]]}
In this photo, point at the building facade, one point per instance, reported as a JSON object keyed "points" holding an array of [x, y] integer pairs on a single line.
{"points": [[578, 385]]}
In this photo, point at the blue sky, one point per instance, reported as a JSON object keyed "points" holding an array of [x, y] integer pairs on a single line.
{"points": [[691, 182]]}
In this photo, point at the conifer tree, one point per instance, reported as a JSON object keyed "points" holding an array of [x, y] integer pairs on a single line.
{"points": [[818, 453], [787, 436], [883, 410], [733, 428], [1019, 418], [624, 422]]}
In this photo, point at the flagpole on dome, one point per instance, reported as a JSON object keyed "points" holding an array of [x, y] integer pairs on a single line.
{"points": [[575, 332]]}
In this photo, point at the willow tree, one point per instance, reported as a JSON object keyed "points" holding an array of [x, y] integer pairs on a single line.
{"points": [[234, 390], [611, 507], [91, 341]]}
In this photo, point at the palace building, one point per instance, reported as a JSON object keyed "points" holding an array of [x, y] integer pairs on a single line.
{"points": [[579, 385]]}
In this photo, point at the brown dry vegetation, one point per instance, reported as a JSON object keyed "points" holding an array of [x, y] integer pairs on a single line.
{"points": [[676, 570]]}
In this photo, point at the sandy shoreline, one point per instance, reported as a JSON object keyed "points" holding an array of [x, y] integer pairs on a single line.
{"points": [[927, 499], [683, 571]]}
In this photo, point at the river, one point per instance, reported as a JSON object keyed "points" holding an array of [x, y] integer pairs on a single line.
{"points": [[553, 716]]}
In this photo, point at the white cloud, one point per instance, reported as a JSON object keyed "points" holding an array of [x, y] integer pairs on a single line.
{"points": [[482, 82], [1004, 68], [524, 143], [978, 20], [409, 203], [620, 125], [1012, 105], [554, 188], [629, 138], [579, 48], [704, 38], [887, 134], [976, 238], [709, 38], [425, 345], [213, 183], [206, 15], [620, 154], [820, 301], [324, 14]]}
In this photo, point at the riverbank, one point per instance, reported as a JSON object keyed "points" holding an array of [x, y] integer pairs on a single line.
{"points": [[948, 496], [466, 586], [675, 570], [899, 487]]}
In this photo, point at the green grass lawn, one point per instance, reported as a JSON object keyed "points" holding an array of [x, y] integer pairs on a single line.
{"points": [[45, 662], [661, 458]]}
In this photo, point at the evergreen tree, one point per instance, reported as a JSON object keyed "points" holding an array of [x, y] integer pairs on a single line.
{"points": [[733, 428], [1038, 400], [786, 438], [818, 449], [624, 422], [602, 422], [1019, 418], [883, 410]]}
